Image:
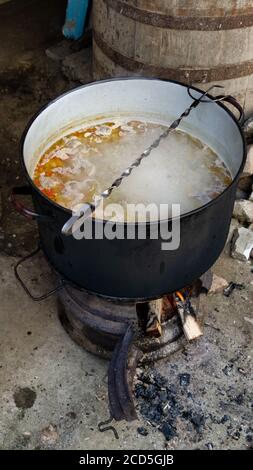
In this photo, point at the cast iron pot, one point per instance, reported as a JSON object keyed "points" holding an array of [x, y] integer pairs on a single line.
{"points": [[134, 269]]}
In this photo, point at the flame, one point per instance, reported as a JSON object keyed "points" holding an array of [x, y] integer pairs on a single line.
{"points": [[180, 296]]}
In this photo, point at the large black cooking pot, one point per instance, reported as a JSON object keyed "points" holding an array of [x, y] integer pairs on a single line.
{"points": [[135, 269]]}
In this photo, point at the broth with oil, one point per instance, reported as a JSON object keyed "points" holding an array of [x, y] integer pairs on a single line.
{"points": [[182, 170]]}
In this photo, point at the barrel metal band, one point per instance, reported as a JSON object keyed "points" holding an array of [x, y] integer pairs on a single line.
{"points": [[243, 18], [188, 75]]}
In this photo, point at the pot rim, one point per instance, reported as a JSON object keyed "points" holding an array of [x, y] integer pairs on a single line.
{"points": [[147, 223]]}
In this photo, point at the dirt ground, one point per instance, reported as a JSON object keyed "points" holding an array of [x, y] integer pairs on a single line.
{"points": [[52, 393]]}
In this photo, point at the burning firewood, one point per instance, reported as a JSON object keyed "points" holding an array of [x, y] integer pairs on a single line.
{"points": [[160, 310], [154, 327], [190, 325]]}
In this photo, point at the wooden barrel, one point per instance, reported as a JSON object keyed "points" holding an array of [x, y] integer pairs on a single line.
{"points": [[198, 42]]}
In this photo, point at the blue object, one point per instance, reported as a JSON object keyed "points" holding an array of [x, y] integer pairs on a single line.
{"points": [[75, 18]]}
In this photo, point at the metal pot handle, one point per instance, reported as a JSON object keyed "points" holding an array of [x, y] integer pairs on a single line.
{"points": [[221, 98], [21, 209], [231, 100], [26, 289]]}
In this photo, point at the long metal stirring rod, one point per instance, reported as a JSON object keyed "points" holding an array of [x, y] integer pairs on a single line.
{"points": [[90, 208]]}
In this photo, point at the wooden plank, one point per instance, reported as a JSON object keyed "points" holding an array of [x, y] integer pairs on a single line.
{"points": [[190, 325]]}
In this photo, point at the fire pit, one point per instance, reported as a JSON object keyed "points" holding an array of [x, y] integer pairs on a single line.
{"points": [[128, 333]]}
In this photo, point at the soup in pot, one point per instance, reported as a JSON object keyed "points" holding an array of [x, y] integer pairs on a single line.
{"points": [[82, 164]]}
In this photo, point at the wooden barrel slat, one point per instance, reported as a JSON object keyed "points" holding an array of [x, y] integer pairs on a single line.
{"points": [[188, 20], [195, 42], [187, 75]]}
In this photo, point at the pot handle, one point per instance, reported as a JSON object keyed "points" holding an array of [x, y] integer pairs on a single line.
{"points": [[22, 283], [231, 100], [21, 209]]}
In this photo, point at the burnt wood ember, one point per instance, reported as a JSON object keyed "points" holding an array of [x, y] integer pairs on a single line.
{"points": [[185, 379], [163, 405], [158, 402], [231, 287], [142, 431]]}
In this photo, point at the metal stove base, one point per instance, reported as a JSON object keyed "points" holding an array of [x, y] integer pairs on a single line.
{"points": [[98, 324]]}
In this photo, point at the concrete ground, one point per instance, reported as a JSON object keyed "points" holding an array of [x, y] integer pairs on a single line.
{"points": [[53, 394]]}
